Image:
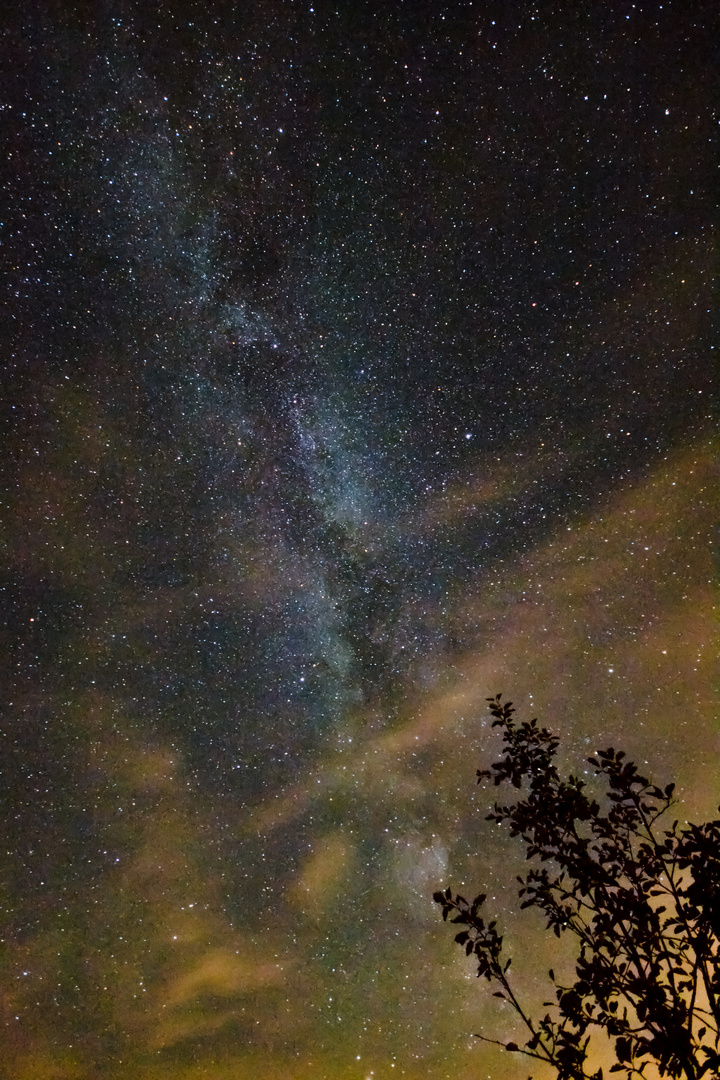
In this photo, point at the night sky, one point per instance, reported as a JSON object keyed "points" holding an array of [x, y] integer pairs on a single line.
{"points": [[358, 364]]}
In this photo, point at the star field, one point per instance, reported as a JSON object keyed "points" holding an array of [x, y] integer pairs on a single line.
{"points": [[358, 363]]}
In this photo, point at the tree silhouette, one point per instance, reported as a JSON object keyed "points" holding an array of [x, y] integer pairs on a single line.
{"points": [[642, 900]]}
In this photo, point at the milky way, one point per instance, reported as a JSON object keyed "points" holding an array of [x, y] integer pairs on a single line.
{"points": [[358, 364]]}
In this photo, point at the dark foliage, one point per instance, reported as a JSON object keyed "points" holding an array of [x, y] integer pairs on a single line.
{"points": [[642, 900]]}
